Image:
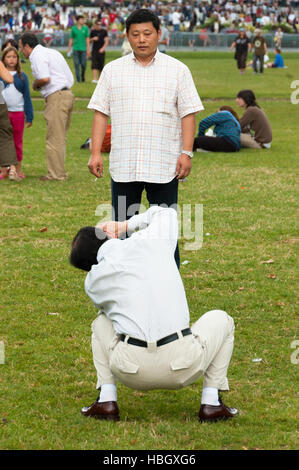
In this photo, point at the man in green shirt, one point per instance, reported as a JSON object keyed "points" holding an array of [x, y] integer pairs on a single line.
{"points": [[79, 40]]}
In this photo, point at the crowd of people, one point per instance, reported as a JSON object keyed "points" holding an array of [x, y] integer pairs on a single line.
{"points": [[54, 17]]}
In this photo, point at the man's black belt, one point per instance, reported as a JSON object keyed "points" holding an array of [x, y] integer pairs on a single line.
{"points": [[65, 88], [160, 342]]}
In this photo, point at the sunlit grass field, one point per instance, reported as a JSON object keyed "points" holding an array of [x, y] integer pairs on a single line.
{"points": [[246, 266]]}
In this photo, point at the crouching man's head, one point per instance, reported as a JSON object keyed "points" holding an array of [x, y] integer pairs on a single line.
{"points": [[85, 247]]}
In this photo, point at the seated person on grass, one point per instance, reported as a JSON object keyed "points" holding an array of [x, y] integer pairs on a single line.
{"points": [[227, 132], [278, 62]]}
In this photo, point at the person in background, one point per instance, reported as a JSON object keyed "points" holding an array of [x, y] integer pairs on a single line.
{"points": [[54, 79], [164, 39], [99, 40], [10, 42], [18, 100], [259, 47], [227, 132], [80, 43], [255, 126], [278, 62], [8, 156], [241, 45], [278, 37]]}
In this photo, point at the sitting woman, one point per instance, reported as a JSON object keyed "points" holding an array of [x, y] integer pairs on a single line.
{"points": [[256, 128], [227, 132]]}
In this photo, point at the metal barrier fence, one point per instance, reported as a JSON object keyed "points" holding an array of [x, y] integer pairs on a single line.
{"points": [[178, 40]]}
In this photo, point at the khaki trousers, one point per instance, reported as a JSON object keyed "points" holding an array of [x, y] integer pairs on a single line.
{"points": [[248, 141], [58, 113], [171, 366]]}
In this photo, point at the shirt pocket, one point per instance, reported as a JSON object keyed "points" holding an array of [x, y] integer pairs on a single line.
{"points": [[165, 101], [126, 367], [181, 363]]}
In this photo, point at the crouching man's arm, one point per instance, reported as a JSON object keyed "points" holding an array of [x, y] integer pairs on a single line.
{"points": [[156, 223]]}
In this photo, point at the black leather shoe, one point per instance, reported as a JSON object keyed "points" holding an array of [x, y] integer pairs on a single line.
{"points": [[211, 413], [105, 410]]}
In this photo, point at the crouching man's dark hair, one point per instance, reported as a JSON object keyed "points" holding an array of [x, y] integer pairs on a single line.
{"points": [[85, 247]]}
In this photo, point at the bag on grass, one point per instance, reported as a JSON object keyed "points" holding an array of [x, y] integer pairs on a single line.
{"points": [[106, 145]]}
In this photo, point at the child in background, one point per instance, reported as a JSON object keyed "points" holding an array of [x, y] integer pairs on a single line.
{"points": [[18, 101]]}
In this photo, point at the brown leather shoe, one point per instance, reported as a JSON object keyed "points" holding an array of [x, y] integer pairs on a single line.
{"points": [[211, 413], [105, 410]]}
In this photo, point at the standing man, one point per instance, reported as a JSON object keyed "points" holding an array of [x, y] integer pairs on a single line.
{"points": [[142, 336], [99, 39], [259, 46], [152, 101], [54, 79], [79, 40]]}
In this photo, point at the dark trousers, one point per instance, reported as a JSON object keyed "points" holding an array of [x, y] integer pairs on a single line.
{"points": [[80, 61], [126, 199], [258, 63], [214, 144]]}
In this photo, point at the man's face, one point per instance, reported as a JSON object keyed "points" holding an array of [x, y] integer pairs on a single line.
{"points": [[144, 39], [26, 50]]}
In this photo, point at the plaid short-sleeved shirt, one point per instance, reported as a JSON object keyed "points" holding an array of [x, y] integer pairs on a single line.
{"points": [[146, 105]]}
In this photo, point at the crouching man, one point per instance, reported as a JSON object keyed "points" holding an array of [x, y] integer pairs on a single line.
{"points": [[142, 336]]}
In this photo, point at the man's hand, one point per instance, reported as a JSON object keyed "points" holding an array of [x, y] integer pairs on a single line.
{"points": [[40, 83], [183, 166], [35, 86], [95, 165], [114, 229]]}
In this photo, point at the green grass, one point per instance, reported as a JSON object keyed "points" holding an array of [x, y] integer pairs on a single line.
{"points": [[249, 202]]}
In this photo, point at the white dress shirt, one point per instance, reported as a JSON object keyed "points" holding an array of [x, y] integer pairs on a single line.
{"points": [[49, 63], [146, 105], [136, 282]]}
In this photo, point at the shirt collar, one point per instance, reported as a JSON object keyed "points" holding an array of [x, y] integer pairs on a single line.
{"points": [[154, 59], [34, 50]]}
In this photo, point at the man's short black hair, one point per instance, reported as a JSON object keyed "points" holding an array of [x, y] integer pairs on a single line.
{"points": [[142, 16], [85, 247], [30, 39]]}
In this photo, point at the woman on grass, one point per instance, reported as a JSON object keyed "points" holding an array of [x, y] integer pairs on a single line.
{"points": [[256, 128], [241, 45], [227, 132], [8, 157], [18, 100]]}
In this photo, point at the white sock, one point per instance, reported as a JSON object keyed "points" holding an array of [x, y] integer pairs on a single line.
{"points": [[210, 396], [108, 393]]}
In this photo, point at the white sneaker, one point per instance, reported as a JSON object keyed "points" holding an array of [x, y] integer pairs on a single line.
{"points": [[94, 81]]}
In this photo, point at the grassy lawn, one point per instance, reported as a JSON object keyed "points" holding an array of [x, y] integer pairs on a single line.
{"points": [[246, 266]]}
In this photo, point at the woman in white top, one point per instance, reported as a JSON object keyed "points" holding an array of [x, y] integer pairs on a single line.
{"points": [[8, 157]]}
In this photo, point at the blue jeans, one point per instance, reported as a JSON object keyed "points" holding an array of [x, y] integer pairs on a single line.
{"points": [[80, 60], [126, 199]]}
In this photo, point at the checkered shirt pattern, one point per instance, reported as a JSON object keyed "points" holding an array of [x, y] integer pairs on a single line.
{"points": [[146, 105]]}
